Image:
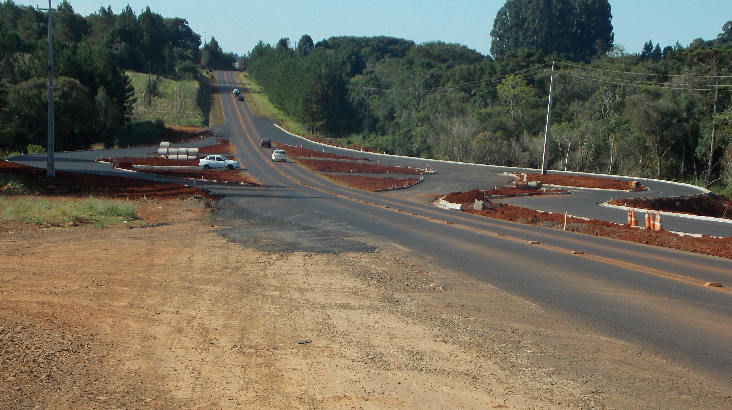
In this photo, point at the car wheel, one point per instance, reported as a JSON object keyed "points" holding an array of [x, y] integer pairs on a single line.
{"points": [[230, 166], [207, 166]]}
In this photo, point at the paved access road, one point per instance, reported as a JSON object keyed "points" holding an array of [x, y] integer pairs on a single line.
{"points": [[644, 294], [649, 296]]}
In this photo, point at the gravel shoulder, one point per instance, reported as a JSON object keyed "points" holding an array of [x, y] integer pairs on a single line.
{"points": [[175, 316]]}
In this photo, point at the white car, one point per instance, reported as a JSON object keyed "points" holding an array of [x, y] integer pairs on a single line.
{"points": [[279, 155], [217, 161]]}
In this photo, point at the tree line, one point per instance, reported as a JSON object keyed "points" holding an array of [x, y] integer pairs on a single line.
{"points": [[663, 113], [93, 97]]}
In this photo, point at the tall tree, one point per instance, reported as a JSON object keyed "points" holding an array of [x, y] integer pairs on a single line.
{"points": [[578, 29]]}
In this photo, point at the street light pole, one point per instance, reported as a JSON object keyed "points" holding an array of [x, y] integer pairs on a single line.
{"points": [[50, 169]]}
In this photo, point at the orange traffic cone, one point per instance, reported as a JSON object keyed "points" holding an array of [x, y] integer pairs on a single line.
{"points": [[648, 220], [659, 225], [630, 220], [633, 221], [653, 221]]}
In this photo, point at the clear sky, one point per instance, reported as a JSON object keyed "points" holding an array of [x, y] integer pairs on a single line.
{"points": [[238, 26]]}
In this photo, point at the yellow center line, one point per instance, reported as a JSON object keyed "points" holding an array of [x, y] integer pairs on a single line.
{"points": [[558, 249]]}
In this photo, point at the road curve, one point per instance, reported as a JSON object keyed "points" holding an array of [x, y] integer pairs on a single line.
{"points": [[648, 295]]}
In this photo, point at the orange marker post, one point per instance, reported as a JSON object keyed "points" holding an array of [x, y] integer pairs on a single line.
{"points": [[633, 220], [659, 225]]}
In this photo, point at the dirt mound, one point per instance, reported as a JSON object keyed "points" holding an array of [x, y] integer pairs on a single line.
{"points": [[297, 152], [77, 184], [503, 191], [361, 168], [721, 247], [373, 183], [583, 181], [710, 204]]}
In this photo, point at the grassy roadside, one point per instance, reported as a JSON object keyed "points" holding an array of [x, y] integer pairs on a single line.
{"points": [[172, 102], [216, 111], [262, 107], [66, 211]]}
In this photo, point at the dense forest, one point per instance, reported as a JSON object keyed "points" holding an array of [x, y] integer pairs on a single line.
{"points": [[92, 94], [662, 113]]}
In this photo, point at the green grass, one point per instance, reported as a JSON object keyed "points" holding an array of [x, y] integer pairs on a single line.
{"points": [[216, 110], [173, 103], [262, 107], [75, 211]]}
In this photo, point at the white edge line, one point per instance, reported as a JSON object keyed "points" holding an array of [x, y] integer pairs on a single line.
{"points": [[627, 178], [680, 215]]}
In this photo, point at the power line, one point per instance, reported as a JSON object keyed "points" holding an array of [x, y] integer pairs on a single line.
{"points": [[644, 74], [495, 80]]}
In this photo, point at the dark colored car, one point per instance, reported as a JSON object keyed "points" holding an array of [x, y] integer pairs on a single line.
{"points": [[241, 97], [265, 142]]}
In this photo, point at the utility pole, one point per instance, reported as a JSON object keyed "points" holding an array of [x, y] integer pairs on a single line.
{"points": [[149, 91], [547, 133], [50, 168]]}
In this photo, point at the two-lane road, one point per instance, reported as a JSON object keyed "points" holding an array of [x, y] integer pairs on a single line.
{"points": [[651, 296]]}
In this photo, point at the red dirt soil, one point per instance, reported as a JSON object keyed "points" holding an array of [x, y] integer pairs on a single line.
{"points": [[581, 181], [361, 168], [212, 175], [217, 149], [153, 161], [77, 184], [504, 191], [373, 184], [297, 152], [709, 204], [721, 247]]}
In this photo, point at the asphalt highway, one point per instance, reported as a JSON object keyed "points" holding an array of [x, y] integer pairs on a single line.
{"points": [[650, 296]]}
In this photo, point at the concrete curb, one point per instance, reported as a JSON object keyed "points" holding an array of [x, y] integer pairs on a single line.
{"points": [[676, 214], [627, 178]]}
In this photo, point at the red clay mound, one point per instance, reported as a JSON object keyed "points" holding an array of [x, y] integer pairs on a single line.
{"points": [[721, 247], [71, 183], [223, 149], [582, 181], [503, 191], [153, 161], [361, 168], [224, 175], [704, 205], [373, 183], [296, 152]]}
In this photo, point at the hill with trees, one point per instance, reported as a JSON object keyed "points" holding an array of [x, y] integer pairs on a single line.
{"points": [[664, 113], [93, 96]]}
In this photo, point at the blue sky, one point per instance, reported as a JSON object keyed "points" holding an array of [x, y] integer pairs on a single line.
{"points": [[238, 26]]}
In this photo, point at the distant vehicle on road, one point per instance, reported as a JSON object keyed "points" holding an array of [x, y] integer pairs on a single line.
{"points": [[217, 161], [236, 92], [265, 142], [241, 97], [279, 155]]}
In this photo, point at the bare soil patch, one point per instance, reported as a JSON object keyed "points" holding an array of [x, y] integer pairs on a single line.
{"points": [[173, 316], [582, 181], [298, 152], [721, 247], [701, 204], [70, 183], [373, 184], [221, 148], [357, 167], [504, 191], [710, 204]]}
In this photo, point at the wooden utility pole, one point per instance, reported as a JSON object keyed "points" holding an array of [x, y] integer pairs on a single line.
{"points": [[50, 168], [547, 133]]}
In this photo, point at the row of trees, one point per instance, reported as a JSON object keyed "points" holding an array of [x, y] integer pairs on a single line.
{"points": [[92, 94], [662, 116]]}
